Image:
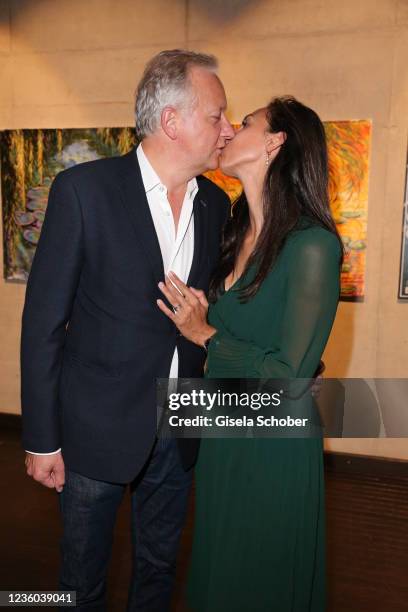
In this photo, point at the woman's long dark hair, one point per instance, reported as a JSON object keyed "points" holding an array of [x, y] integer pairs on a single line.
{"points": [[296, 184]]}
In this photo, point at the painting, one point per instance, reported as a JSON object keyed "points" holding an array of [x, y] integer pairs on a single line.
{"points": [[403, 279], [349, 150], [30, 159]]}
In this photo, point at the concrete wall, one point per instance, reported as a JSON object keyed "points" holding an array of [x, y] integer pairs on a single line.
{"points": [[76, 63]]}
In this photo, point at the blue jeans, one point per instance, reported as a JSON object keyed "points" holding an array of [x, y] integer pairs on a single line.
{"points": [[159, 497]]}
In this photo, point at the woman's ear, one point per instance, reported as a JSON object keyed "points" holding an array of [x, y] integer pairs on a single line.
{"points": [[168, 122], [274, 141]]}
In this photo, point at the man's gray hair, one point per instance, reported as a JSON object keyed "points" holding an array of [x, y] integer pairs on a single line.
{"points": [[165, 82]]}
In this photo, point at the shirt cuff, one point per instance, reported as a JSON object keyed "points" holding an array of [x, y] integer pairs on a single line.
{"points": [[53, 452]]}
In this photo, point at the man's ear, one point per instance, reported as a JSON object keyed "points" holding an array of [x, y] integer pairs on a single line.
{"points": [[168, 122], [274, 140]]}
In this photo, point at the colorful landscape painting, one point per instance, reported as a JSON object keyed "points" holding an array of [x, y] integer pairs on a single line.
{"points": [[349, 148], [30, 159]]}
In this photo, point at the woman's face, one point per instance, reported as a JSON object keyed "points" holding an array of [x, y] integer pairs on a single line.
{"points": [[249, 146]]}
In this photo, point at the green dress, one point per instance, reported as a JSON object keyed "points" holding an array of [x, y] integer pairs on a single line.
{"points": [[259, 535]]}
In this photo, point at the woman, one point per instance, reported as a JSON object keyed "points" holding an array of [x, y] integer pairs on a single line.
{"points": [[259, 541]]}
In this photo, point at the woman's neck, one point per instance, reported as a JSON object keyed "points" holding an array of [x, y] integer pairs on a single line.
{"points": [[253, 188]]}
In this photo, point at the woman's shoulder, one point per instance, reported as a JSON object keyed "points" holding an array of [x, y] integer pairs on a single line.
{"points": [[311, 246], [309, 236]]}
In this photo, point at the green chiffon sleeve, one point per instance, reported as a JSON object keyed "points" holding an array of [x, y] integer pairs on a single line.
{"points": [[312, 261]]}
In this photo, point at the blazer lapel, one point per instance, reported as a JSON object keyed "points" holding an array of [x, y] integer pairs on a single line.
{"points": [[135, 201], [200, 210]]}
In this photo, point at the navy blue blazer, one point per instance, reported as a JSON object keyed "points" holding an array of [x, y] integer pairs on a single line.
{"points": [[93, 340]]}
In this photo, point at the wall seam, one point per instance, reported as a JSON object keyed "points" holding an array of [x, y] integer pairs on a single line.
{"points": [[386, 205]]}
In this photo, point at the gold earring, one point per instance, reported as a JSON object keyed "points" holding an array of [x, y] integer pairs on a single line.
{"points": [[267, 158]]}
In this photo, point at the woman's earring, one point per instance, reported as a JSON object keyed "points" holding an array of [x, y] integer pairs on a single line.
{"points": [[267, 158]]}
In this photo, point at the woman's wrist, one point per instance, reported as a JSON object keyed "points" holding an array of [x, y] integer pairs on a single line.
{"points": [[208, 332]]}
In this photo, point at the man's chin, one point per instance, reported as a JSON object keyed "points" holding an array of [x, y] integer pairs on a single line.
{"points": [[213, 163], [225, 169]]}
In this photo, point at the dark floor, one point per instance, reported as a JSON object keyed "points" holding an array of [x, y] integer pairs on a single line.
{"points": [[367, 504]]}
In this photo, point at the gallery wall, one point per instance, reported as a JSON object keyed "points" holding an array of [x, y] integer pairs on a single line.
{"points": [[76, 64]]}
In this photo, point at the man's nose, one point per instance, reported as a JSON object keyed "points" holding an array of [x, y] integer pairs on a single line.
{"points": [[227, 131]]}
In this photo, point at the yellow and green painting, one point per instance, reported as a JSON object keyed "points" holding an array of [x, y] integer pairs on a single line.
{"points": [[30, 159], [349, 148]]}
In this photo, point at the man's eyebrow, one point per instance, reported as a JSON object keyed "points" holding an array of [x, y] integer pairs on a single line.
{"points": [[246, 117]]}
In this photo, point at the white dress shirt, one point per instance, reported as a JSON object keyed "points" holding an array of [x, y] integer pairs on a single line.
{"points": [[177, 249]]}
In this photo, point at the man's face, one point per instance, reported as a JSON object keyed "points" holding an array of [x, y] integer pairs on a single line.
{"points": [[204, 127]]}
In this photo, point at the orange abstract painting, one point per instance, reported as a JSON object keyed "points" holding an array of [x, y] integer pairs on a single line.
{"points": [[348, 145]]}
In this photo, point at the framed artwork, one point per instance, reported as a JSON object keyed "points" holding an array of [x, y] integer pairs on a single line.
{"points": [[403, 279], [349, 149], [30, 159]]}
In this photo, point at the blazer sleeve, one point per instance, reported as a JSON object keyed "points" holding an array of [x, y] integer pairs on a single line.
{"points": [[50, 293]]}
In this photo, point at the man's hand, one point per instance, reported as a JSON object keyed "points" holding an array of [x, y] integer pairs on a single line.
{"points": [[49, 470], [317, 381]]}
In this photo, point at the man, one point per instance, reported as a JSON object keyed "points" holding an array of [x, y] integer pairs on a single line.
{"points": [[94, 340]]}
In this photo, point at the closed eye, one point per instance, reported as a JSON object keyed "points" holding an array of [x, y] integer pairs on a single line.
{"points": [[246, 121], [244, 124]]}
